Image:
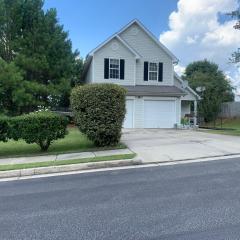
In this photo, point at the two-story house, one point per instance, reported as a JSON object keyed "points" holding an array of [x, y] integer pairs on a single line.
{"points": [[135, 59]]}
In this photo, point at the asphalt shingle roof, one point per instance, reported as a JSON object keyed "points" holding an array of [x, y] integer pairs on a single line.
{"points": [[148, 90]]}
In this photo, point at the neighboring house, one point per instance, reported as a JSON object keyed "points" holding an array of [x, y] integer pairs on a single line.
{"points": [[135, 59]]}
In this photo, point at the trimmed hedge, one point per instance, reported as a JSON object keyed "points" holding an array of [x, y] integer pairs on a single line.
{"points": [[41, 128], [99, 111], [4, 129]]}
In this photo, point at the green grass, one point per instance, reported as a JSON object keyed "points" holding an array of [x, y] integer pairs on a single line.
{"points": [[75, 141], [65, 162], [232, 124]]}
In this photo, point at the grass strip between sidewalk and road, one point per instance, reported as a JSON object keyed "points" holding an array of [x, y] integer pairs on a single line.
{"points": [[65, 162]]}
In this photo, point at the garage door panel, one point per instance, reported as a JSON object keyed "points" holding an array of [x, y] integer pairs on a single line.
{"points": [[159, 114], [128, 121]]}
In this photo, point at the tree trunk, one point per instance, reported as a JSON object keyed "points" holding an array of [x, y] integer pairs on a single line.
{"points": [[44, 145]]}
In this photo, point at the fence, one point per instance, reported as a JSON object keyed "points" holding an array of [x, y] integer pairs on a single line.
{"points": [[230, 110]]}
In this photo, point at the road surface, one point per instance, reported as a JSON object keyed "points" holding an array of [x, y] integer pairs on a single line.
{"points": [[188, 201]]}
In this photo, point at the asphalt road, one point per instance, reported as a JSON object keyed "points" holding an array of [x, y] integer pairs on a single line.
{"points": [[191, 201]]}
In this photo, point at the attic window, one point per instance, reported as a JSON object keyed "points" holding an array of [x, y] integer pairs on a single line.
{"points": [[114, 68], [153, 71]]}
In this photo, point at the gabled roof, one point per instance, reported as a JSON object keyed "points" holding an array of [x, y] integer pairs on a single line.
{"points": [[121, 40], [187, 87], [136, 21], [117, 35]]}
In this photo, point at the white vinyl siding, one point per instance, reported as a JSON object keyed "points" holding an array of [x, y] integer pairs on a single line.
{"points": [[129, 116], [121, 52], [151, 52]]}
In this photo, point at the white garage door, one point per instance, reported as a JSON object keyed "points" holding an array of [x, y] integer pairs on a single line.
{"points": [[159, 114], [128, 122]]}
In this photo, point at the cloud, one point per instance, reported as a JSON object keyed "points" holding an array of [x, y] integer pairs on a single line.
{"points": [[196, 33], [179, 69]]}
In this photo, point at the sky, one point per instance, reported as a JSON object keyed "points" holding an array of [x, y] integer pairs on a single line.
{"points": [[191, 29]]}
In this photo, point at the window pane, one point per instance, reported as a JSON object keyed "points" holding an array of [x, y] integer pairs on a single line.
{"points": [[114, 73], [114, 68], [153, 67], [152, 75]]}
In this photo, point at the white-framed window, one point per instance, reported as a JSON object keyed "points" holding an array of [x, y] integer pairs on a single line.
{"points": [[153, 71], [114, 68]]}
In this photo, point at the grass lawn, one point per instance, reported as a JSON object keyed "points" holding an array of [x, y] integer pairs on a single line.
{"points": [[231, 127], [75, 141], [65, 162]]}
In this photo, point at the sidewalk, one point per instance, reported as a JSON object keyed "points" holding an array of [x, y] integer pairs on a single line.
{"points": [[59, 157]]}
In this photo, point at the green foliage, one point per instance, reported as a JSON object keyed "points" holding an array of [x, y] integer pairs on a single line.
{"points": [[184, 121], [15, 94], [217, 89], [99, 111], [4, 129], [34, 40], [41, 128]]}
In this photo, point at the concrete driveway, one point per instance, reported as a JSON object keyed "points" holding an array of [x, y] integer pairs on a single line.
{"points": [[160, 145]]}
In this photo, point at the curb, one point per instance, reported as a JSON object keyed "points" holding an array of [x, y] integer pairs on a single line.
{"points": [[68, 168], [214, 157]]}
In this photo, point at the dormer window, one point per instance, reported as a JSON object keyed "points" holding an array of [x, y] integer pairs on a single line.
{"points": [[114, 68]]}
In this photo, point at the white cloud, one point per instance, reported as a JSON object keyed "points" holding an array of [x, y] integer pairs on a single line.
{"points": [[179, 69], [195, 33]]}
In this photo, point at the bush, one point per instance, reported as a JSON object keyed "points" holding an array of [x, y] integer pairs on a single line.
{"points": [[99, 111], [41, 128], [4, 129]]}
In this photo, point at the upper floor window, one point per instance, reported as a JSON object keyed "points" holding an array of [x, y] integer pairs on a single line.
{"points": [[153, 71], [114, 68]]}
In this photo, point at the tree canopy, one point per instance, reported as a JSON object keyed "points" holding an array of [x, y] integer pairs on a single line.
{"points": [[33, 41], [216, 88]]}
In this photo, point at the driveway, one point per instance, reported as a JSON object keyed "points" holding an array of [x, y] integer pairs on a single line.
{"points": [[154, 145]]}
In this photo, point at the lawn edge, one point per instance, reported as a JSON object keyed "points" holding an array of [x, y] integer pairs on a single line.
{"points": [[222, 132], [69, 168]]}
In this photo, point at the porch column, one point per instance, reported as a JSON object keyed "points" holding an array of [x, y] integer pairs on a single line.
{"points": [[195, 113]]}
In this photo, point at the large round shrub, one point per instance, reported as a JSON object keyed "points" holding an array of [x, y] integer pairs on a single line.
{"points": [[41, 128], [99, 111], [4, 129]]}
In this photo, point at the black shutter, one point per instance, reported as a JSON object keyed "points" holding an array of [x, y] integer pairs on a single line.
{"points": [[122, 68], [145, 78], [106, 68], [160, 72]]}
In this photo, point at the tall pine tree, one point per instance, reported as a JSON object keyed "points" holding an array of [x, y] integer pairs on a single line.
{"points": [[36, 43]]}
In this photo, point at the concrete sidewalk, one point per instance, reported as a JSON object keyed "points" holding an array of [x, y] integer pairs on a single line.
{"points": [[59, 157]]}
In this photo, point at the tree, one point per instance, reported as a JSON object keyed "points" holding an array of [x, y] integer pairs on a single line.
{"points": [[235, 58], [14, 94], [37, 44], [217, 89]]}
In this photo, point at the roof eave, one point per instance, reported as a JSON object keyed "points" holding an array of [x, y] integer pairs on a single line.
{"points": [[188, 87], [173, 57], [149, 94]]}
